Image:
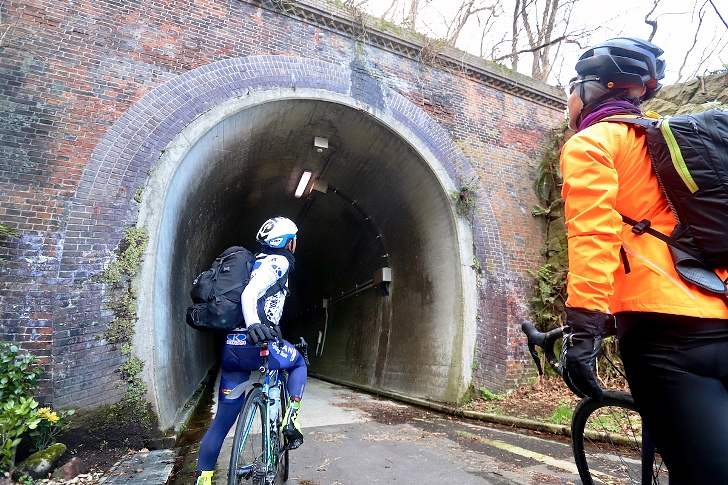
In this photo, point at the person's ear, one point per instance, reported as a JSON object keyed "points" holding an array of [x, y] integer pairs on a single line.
{"points": [[637, 92]]}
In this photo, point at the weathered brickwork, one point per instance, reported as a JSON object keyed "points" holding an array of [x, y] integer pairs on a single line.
{"points": [[92, 91]]}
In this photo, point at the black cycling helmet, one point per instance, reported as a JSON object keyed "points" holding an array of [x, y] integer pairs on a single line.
{"points": [[623, 63]]}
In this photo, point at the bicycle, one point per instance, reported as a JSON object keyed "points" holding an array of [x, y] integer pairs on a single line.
{"points": [[609, 443], [259, 454]]}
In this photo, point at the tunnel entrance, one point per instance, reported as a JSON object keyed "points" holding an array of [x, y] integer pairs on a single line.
{"points": [[383, 200]]}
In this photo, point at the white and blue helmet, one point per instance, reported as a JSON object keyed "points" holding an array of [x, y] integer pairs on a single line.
{"points": [[276, 232]]}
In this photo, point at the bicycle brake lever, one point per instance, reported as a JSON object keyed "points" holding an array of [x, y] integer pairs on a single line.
{"points": [[534, 355]]}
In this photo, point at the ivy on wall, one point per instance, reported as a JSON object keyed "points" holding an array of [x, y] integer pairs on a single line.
{"points": [[548, 302]]}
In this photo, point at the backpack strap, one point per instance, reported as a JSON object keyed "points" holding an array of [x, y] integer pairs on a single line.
{"points": [[643, 226], [644, 122], [280, 284]]}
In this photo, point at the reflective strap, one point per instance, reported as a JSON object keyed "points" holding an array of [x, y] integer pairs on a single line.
{"points": [[677, 158]]}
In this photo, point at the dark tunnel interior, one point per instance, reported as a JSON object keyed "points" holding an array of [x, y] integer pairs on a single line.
{"points": [[382, 205]]}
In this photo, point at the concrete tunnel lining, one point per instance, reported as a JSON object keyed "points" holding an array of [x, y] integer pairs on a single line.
{"points": [[211, 189]]}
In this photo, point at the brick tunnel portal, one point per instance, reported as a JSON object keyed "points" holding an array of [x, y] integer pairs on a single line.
{"points": [[386, 203]]}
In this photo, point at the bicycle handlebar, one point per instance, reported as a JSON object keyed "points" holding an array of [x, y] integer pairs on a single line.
{"points": [[546, 341], [302, 347]]}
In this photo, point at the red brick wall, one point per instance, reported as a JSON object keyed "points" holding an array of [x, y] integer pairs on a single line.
{"points": [[69, 71]]}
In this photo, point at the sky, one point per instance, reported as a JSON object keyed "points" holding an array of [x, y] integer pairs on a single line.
{"points": [[677, 25]]}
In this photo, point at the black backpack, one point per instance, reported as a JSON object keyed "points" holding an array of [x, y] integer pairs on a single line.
{"points": [[689, 154], [216, 292]]}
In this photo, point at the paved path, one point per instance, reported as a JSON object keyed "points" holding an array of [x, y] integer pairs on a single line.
{"points": [[353, 438]]}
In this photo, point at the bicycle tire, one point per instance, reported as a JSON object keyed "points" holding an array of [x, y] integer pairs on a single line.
{"points": [[247, 461], [284, 461], [607, 443]]}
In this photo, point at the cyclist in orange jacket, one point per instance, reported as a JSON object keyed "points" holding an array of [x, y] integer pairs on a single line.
{"points": [[673, 335]]}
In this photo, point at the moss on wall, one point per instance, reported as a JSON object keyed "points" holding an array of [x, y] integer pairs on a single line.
{"points": [[123, 304]]}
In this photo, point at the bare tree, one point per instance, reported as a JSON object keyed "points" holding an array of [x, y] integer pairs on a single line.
{"points": [[652, 22], [414, 9], [539, 30], [718, 43], [468, 10]]}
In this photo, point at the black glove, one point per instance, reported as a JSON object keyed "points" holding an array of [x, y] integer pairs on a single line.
{"points": [[582, 342], [259, 332]]}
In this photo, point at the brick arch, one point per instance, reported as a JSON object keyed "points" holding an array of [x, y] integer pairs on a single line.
{"points": [[104, 201], [123, 158]]}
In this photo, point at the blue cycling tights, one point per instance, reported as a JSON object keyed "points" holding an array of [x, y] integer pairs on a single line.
{"points": [[239, 359], [677, 369]]}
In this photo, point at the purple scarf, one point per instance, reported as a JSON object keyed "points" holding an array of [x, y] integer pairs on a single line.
{"points": [[609, 108]]}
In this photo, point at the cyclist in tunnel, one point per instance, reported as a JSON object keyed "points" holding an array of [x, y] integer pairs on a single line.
{"points": [[673, 335], [241, 354]]}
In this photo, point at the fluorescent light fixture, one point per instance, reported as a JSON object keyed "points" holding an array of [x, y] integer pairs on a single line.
{"points": [[303, 183]]}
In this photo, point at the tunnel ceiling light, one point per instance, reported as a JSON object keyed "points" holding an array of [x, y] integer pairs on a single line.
{"points": [[320, 143], [303, 183]]}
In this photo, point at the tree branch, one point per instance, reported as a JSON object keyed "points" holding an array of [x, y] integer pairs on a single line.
{"points": [[701, 14], [652, 23], [561, 38]]}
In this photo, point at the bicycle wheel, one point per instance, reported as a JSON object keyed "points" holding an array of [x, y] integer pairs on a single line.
{"points": [[248, 460], [281, 453], [607, 442]]}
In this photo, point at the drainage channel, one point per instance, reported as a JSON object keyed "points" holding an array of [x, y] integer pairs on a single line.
{"points": [[188, 442]]}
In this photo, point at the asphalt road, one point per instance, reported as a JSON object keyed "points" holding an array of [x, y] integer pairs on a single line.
{"points": [[353, 438]]}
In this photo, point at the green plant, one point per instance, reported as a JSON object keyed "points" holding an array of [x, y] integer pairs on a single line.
{"points": [[128, 256], [26, 480], [133, 405], [464, 199], [476, 265], [18, 371], [562, 414], [118, 274], [17, 415], [549, 301], [121, 329], [7, 231], [548, 174], [490, 396], [52, 423]]}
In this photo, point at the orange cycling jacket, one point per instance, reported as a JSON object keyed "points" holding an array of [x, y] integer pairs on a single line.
{"points": [[607, 171]]}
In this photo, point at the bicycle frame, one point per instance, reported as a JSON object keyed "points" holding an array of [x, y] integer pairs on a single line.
{"points": [[273, 378]]}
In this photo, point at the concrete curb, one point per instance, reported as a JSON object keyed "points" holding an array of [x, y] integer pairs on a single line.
{"points": [[529, 424]]}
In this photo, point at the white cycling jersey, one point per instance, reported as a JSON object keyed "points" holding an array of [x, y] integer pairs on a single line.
{"points": [[266, 272]]}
